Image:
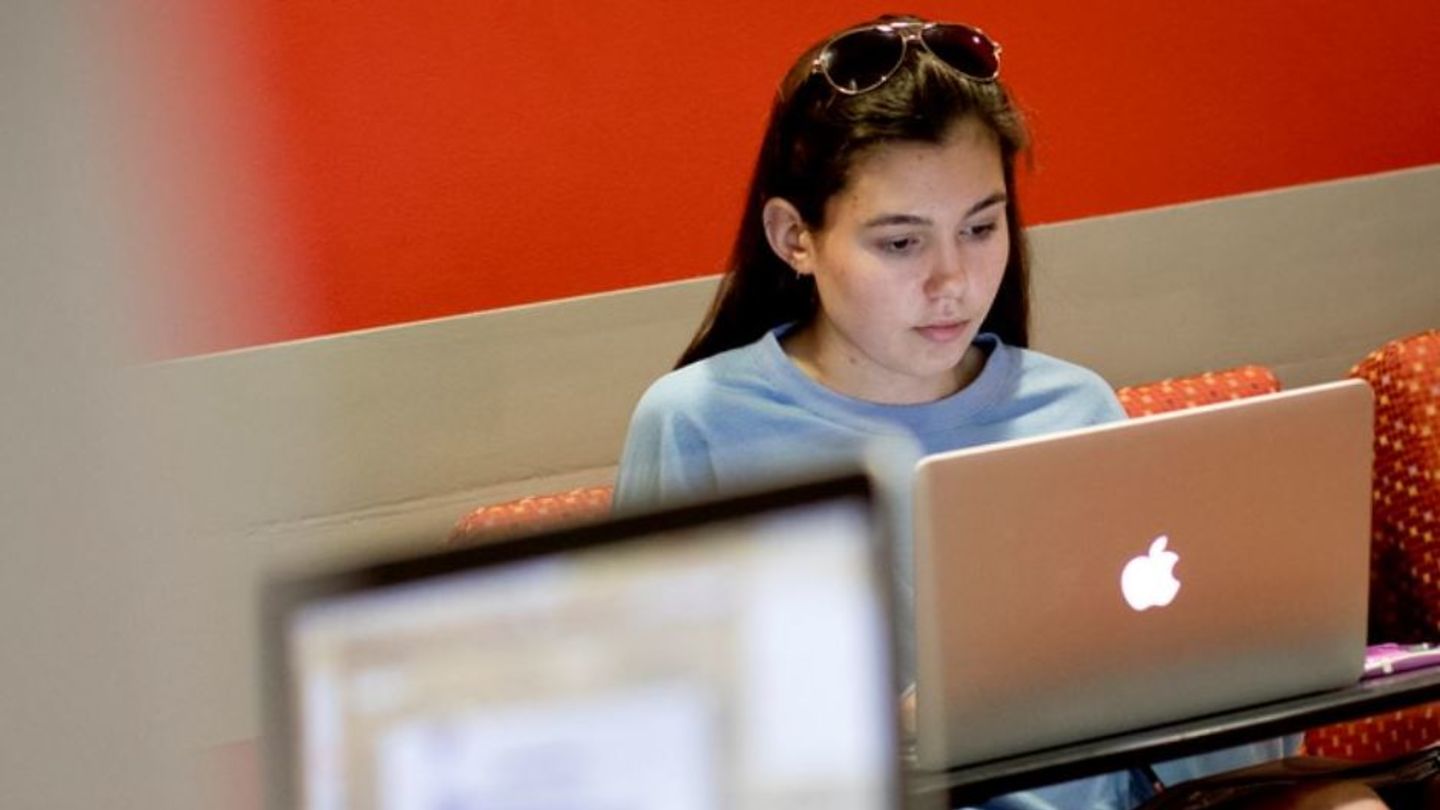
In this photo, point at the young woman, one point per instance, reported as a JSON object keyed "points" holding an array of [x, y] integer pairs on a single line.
{"points": [[877, 290], [878, 284]]}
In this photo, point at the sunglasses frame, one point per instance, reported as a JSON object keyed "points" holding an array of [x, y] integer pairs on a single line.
{"points": [[909, 31]]}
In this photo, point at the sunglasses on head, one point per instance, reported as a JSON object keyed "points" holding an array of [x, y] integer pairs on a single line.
{"points": [[861, 59]]}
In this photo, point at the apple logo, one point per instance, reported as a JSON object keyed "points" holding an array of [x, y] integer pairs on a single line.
{"points": [[1149, 581]]}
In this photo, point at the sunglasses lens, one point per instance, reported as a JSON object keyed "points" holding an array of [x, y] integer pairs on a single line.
{"points": [[862, 60], [964, 49]]}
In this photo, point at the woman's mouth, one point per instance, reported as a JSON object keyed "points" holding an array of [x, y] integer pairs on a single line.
{"points": [[946, 332]]}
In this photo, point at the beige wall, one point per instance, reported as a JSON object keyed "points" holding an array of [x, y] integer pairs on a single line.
{"points": [[1305, 280], [317, 450]]}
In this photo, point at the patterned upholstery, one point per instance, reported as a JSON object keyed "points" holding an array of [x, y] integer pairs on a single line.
{"points": [[533, 512], [1405, 530], [1208, 388], [1376, 738], [1405, 536]]}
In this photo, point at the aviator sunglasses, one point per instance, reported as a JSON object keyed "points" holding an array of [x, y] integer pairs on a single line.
{"points": [[861, 59]]}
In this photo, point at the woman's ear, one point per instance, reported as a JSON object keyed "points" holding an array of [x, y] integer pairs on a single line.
{"points": [[788, 235]]}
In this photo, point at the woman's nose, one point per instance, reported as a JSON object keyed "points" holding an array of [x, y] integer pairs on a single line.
{"points": [[948, 275]]}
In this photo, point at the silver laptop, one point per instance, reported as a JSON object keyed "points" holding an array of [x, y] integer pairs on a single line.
{"points": [[1111, 578], [726, 655]]}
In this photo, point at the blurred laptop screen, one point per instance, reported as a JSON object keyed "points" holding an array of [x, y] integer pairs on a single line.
{"points": [[740, 662]]}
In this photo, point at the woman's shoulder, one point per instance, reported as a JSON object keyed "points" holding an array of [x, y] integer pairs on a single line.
{"points": [[713, 382], [1041, 380], [1051, 370]]}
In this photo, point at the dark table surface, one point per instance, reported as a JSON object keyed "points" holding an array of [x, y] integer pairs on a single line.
{"points": [[973, 783]]}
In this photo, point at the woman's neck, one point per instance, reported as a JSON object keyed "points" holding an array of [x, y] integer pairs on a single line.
{"points": [[802, 347]]}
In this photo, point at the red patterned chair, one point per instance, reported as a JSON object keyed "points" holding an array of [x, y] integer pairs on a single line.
{"points": [[1405, 566], [1377, 738], [534, 512], [1405, 536], [1177, 393]]}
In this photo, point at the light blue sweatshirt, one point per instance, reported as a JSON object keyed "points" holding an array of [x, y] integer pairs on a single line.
{"points": [[749, 416]]}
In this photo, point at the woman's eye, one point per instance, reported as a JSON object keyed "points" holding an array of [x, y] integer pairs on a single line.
{"points": [[903, 244], [979, 231]]}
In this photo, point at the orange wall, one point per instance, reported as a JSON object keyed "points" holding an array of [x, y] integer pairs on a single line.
{"points": [[434, 158]]}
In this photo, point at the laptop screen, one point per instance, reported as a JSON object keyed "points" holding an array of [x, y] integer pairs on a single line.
{"points": [[737, 657]]}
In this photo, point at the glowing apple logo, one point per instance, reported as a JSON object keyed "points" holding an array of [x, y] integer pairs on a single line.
{"points": [[1149, 581]]}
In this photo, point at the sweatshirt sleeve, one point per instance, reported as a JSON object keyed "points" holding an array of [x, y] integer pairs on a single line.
{"points": [[666, 457], [1095, 400]]}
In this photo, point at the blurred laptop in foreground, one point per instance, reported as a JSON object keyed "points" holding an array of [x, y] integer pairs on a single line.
{"points": [[727, 655]]}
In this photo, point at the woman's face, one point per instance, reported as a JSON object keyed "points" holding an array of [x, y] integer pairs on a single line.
{"points": [[907, 266]]}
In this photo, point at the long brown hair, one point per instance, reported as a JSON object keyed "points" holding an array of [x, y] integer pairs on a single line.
{"points": [[813, 138]]}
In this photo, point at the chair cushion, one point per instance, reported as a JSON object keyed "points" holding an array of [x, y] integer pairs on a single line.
{"points": [[1405, 536], [1405, 521], [532, 512], [1380, 737], [1177, 393]]}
